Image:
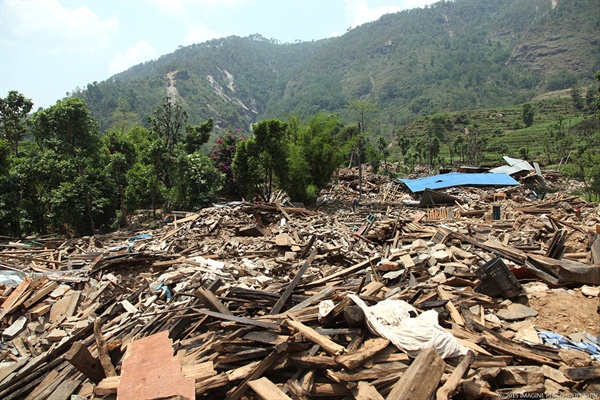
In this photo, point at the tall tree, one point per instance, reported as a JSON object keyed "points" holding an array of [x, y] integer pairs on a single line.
{"points": [[13, 110], [67, 172], [271, 139], [528, 114], [168, 120]]}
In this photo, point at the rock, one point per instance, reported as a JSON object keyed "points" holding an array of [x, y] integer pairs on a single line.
{"points": [[515, 312], [555, 375], [441, 256], [519, 375], [591, 291], [575, 358]]}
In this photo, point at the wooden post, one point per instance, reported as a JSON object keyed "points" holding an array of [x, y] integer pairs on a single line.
{"points": [[107, 365], [451, 384], [421, 379]]}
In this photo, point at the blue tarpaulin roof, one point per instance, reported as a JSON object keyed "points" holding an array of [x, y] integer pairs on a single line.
{"points": [[458, 179]]}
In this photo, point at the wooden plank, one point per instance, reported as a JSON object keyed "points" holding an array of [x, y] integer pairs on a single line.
{"points": [[107, 386], [39, 310], [454, 313], [46, 386], [267, 390], [241, 320], [327, 344], [38, 295], [9, 369], [370, 348], [199, 371], [420, 379], [317, 297], [214, 382], [290, 288], [257, 372], [582, 373], [366, 391], [595, 250], [14, 298], [211, 301], [65, 389], [149, 370], [377, 371], [285, 214], [65, 307], [347, 271], [80, 357]]}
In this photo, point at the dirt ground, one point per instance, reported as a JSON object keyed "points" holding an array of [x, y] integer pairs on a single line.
{"points": [[566, 313]]}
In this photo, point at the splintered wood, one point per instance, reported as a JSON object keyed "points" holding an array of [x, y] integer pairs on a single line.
{"points": [[247, 301]]}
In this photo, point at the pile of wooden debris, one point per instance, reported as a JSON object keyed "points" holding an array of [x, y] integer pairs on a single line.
{"points": [[465, 293]]}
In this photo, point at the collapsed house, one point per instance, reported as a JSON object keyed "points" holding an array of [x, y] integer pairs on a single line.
{"points": [[393, 299]]}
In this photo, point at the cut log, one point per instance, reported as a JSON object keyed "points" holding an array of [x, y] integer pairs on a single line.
{"points": [[420, 379]]}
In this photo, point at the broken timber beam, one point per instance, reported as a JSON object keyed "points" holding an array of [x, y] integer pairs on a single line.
{"points": [[451, 384], [288, 291], [344, 272], [421, 379], [326, 344], [80, 357]]}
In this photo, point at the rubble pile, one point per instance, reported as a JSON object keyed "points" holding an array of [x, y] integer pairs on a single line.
{"points": [[458, 293]]}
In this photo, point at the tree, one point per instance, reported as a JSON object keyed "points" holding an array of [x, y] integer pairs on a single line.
{"points": [[313, 157], [271, 139], [122, 119], [528, 114], [196, 136], [13, 109], [361, 108], [121, 155], [577, 98], [524, 152], [65, 183], [222, 155], [404, 144], [245, 164], [168, 120], [382, 146]]}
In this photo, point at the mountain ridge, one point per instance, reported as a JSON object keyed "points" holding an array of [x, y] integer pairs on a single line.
{"points": [[452, 55]]}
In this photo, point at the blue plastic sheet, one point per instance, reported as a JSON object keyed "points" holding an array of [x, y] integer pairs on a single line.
{"points": [[559, 341], [140, 237]]}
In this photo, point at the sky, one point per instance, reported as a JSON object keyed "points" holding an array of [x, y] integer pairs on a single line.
{"points": [[48, 48]]}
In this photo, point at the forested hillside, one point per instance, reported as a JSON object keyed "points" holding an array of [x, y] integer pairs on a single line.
{"points": [[453, 55], [462, 82]]}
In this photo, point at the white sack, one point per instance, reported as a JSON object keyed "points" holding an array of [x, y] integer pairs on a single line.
{"points": [[391, 320]]}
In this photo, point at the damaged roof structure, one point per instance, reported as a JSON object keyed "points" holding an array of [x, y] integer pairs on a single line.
{"points": [[454, 179], [278, 301]]}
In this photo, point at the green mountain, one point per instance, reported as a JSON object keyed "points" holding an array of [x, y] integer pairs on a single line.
{"points": [[453, 55]]}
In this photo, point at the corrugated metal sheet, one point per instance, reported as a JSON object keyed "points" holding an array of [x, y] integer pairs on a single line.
{"points": [[514, 166], [458, 179]]}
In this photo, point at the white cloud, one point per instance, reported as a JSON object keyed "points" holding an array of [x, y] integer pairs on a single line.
{"points": [[171, 7], [55, 27], [359, 12], [142, 51], [200, 33]]}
